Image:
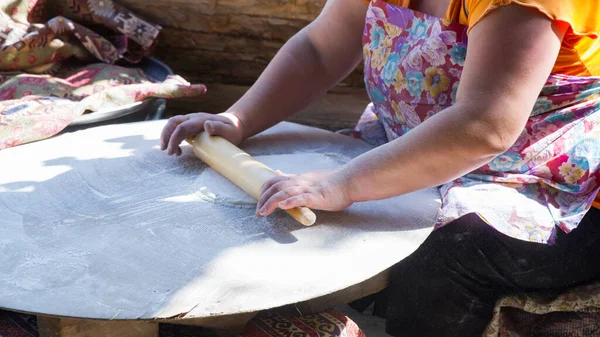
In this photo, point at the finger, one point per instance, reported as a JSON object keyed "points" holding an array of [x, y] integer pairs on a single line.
{"points": [[275, 199], [265, 195], [182, 131], [300, 200], [165, 135], [272, 182], [218, 128]]}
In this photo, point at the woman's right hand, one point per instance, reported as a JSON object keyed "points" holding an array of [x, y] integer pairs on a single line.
{"points": [[178, 128]]}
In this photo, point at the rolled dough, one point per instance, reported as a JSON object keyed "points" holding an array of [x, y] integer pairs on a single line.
{"points": [[101, 224]]}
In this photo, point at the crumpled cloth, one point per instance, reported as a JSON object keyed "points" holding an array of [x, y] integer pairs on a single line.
{"points": [[49, 64], [574, 313]]}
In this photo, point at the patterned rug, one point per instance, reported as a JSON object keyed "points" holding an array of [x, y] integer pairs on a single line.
{"points": [[268, 324], [13, 324]]}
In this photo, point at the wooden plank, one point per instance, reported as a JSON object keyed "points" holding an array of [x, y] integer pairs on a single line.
{"points": [[222, 323], [70, 327], [239, 25], [218, 58], [226, 41], [182, 13], [338, 109]]}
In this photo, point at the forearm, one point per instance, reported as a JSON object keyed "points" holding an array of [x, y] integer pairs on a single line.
{"points": [[510, 55], [297, 75], [441, 149]]}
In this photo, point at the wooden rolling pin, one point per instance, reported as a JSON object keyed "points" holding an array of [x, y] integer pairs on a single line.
{"points": [[241, 169]]}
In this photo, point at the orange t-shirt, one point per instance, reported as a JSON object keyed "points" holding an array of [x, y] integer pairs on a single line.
{"points": [[580, 51]]}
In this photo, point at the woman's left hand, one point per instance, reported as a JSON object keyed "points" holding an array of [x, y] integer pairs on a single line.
{"points": [[324, 190]]}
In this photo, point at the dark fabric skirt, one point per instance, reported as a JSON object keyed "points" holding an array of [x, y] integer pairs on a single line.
{"points": [[450, 285]]}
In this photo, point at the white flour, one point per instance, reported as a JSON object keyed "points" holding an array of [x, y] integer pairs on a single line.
{"points": [[100, 224]]}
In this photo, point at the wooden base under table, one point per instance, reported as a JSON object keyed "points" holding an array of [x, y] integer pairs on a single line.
{"points": [[50, 326], [69, 327], [221, 326]]}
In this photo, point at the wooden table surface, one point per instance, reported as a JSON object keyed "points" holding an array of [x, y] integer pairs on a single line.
{"points": [[96, 226]]}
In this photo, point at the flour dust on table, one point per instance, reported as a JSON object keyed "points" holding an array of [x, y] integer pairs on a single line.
{"points": [[101, 224], [213, 187]]}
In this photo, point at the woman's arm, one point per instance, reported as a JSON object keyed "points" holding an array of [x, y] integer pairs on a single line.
{"points": [[509, 58], [310, 63], [510, 55]]}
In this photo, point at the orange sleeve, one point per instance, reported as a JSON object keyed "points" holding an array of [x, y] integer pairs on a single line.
{"points": [[596, 203], [582, 15]]}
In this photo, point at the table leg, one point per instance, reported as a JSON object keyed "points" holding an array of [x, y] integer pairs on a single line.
{"points": [[232, 331], [69, 327]]}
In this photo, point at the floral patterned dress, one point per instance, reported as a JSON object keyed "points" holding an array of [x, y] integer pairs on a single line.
{"points": [[547, 179]]}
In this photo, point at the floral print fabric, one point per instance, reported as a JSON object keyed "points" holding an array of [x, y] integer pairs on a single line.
{"points": [[35, 107], [36, 34], [64, 40], [548, 179]]}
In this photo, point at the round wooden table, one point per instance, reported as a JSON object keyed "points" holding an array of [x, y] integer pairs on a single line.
{"points": [[100, 236]]}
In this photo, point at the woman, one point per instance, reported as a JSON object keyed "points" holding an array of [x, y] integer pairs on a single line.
{"points": [[500, 98]]}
